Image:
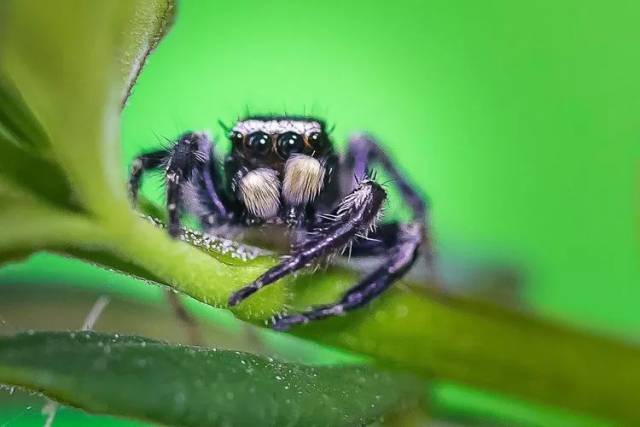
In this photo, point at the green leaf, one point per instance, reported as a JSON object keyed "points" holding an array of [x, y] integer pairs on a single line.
{"points": [[29, 225], [23, 151], [17, 123], [146, 27], [36, 175], [72, 62], [191, 386]]}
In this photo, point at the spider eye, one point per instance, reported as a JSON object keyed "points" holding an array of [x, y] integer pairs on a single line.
{"points": [[315, 138], [289, 143], [236, 137], [258, 143]]}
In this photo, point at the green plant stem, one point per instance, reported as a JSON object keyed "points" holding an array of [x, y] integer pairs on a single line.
{"points": [[453, 338], [410, 327], [189, 270], [422, 330]]}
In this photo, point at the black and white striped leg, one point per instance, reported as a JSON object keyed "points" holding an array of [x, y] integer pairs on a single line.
{"points": [[401, 258], [141, 164], [355, 215]]}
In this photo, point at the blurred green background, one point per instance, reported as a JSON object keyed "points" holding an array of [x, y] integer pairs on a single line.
{"points": [[518, 119]]}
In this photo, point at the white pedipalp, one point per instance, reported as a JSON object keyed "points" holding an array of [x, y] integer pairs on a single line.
{"points": [[303, 179], [259, 190]]}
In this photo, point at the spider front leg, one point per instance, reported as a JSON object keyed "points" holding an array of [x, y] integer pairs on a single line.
{"points": [[193, 181], [355, 215], [399, 242], [401, 258]]}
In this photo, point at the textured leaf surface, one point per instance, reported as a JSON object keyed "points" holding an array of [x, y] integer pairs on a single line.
{"points": [[190, 386]]}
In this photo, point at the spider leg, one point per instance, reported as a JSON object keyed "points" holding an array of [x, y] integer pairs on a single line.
{"points": [[362, 152], [142, 163], [193, 180], [194, 183], [378, 242], [399, 242], [401, 258], [355, 215]]}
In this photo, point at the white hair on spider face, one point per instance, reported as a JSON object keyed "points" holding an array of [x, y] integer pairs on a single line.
{"points": [[303, 179], [278, 126], [260, 192]]}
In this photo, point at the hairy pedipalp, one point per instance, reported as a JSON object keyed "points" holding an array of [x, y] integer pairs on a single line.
{"points": [[259, 190], [303, 179]]}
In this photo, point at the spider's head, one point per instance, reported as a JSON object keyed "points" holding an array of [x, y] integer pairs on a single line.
{"points": [[271, 141], [286, 154]]}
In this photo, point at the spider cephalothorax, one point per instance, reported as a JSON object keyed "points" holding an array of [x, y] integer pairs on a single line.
{"points": [[283, 171], [279, 166]]}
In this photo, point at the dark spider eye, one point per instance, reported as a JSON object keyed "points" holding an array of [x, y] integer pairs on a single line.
{"points": [[289, 143], [315, 138], [258, 143], [236, 137]]}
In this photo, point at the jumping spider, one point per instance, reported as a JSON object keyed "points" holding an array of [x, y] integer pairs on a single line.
{"points": [[284, 172]]}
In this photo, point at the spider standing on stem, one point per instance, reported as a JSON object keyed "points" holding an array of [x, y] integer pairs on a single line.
{"points": [[284, 172]]}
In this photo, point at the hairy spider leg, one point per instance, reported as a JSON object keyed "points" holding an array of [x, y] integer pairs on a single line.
{"points": [[142, 163], [363, 150], [191, 158], [192, 180], [355, 215], [378, 242], [400, 241], [371, 286]]}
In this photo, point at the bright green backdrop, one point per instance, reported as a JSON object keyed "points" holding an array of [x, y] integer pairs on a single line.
{"points": [[519, 119]]}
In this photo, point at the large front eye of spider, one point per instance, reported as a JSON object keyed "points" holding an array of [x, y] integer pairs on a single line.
{"points": [[289, 143], [258, 143]]}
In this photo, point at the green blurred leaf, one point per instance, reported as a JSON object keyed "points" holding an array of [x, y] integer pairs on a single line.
{"points": [[146, 27], [72, 62], [29, 225], [17, 123], [26, 170], [191, 386]]}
